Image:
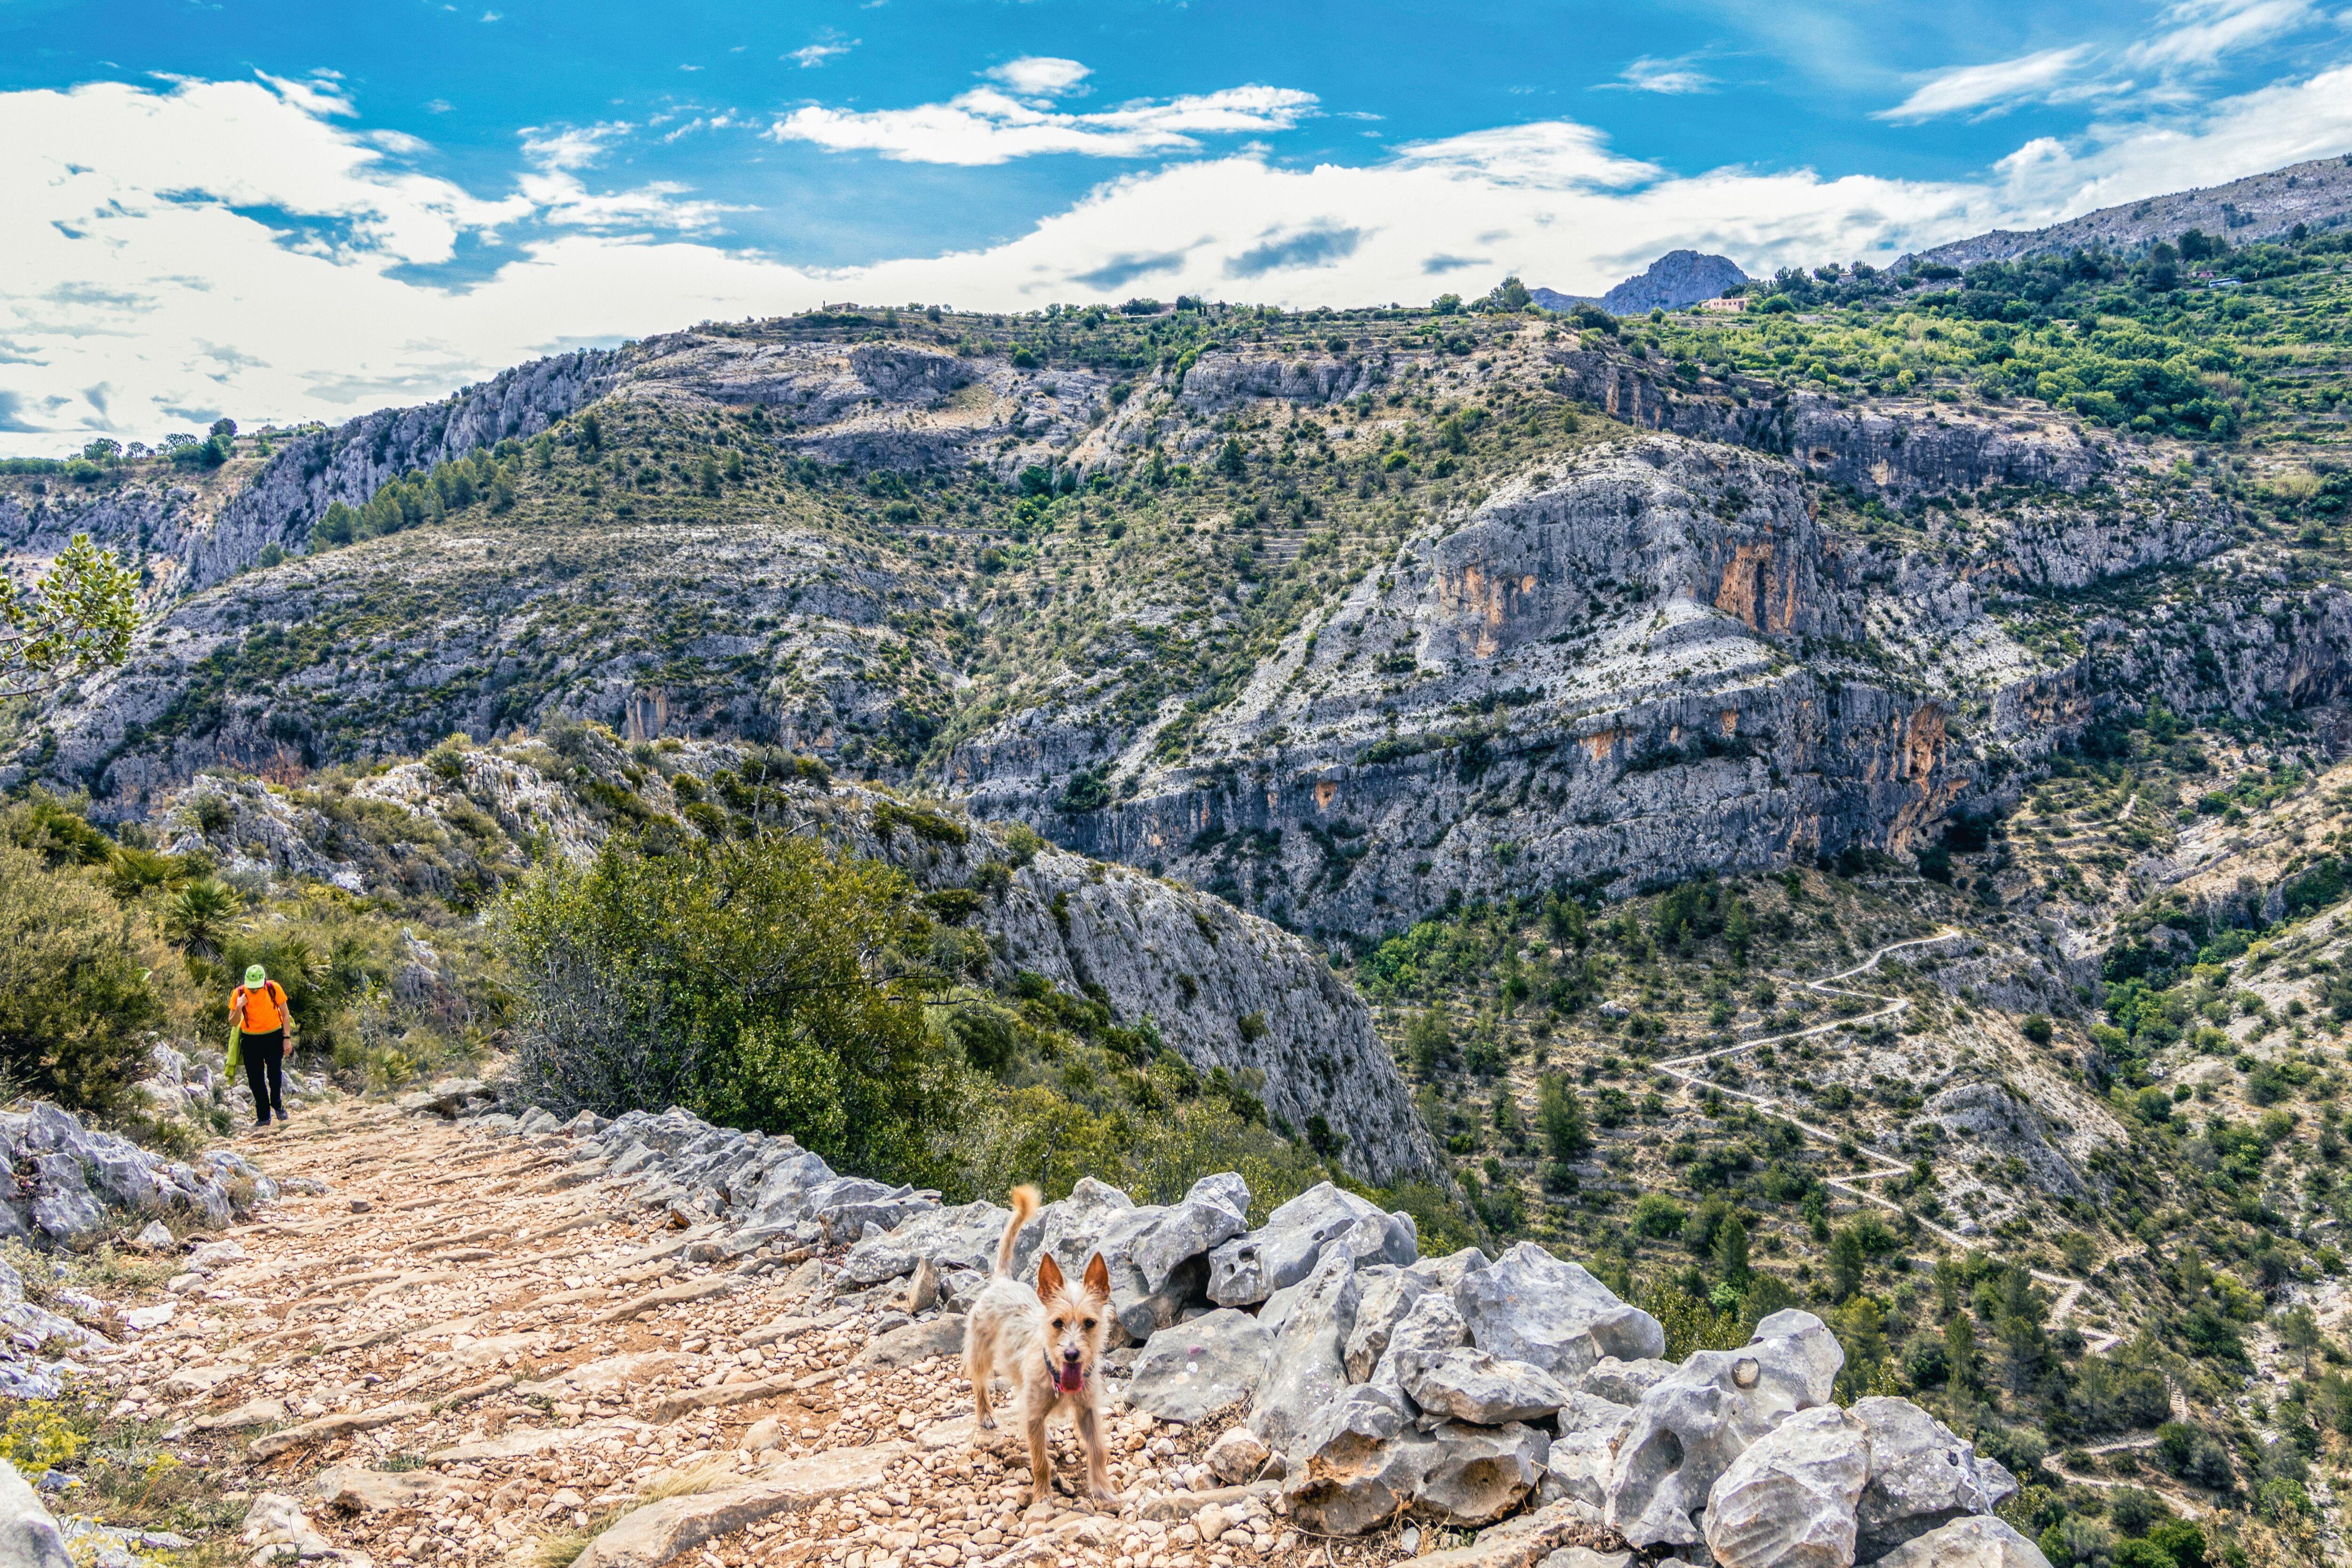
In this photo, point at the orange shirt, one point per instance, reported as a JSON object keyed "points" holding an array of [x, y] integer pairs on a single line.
{"points": [[258, 1012]]}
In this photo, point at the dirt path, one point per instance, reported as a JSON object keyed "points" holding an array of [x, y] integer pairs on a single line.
{"points": [[476, 1348], [2070, 1291]]}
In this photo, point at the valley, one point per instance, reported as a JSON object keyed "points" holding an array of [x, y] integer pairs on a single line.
{"points": [[1828, 801]]}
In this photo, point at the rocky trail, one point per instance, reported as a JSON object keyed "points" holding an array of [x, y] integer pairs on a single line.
{"points": [[468, 1351], [442, 1334]]}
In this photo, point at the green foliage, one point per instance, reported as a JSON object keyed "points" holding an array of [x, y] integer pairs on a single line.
{"points": [[1560, 1112], [745, 979], [77, 618], [77, 995], [1659, 1217]]}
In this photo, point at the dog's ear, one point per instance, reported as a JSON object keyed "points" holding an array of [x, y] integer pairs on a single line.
{"points": [[1098, 1278], [1049, 1278]]}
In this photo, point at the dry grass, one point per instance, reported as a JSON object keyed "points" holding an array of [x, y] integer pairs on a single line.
{"points": [[687, 1481]]}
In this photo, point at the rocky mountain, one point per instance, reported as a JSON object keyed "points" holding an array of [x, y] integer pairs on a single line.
{"points": [[1337, 632], [1677, 278], [2316, 195]]}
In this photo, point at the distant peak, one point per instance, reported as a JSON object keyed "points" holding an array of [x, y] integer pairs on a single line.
{"points": [[1677, 278]]}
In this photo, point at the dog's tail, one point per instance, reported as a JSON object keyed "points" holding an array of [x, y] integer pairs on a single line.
{"points": [[1024, 1204]]}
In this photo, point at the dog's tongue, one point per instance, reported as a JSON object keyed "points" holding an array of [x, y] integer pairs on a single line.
{"points": [[1070, 1379]]}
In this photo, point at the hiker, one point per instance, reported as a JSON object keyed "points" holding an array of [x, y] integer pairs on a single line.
{"points": [[256, 1011]]}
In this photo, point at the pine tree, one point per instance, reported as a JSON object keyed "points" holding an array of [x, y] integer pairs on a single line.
{"points": [[1731, 1253], [1845, 1263], [1560, 1110], [1960, 1351]]}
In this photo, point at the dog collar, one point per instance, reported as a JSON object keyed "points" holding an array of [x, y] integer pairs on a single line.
{"points": [[1055, 1374]]}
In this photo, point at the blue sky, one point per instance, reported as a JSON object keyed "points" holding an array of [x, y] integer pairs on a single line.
{"points": [[283, 210]]}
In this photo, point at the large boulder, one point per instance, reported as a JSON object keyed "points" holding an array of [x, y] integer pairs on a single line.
{"points": [[964, 1237], [780, 1199], [1788, 1501], [1529, 1306], [1922, 1476], [1689, 1428], [1625, 1381], [1249, 1268], [1357, 1464], [1071, 1229], [1467, 1384], [1307, 1367], [1387, 1294], [28, 1536], [1982, 1542], [1427, 1332], [1195, 1370], [1477, 1473], [63, 1205], [1212, 1213], [1580, 1455]]}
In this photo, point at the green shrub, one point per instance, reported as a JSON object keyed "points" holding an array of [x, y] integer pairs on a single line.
{"points": [[1658, 1216], [743, 979], [76, 985]]}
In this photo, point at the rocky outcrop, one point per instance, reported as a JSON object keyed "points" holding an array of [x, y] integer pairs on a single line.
{"points": [[1227, 991], [308, 473], [1587, 676]]}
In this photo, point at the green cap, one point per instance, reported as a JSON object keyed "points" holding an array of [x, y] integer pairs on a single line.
{"points": [[255, 975]]}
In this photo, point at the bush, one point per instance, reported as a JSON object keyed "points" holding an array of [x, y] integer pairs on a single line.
{"points": [[77, 992], [1658, 1216], [742, 979]]}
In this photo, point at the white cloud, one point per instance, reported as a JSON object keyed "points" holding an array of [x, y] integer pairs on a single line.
{"points": [[992, 125], [1988, 87], [1674, 77], [1040, 75], [815, 55], [143, 287], [555, 194], [2198, 33]]}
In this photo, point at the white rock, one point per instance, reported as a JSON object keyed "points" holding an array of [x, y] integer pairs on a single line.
{"points": [[1529, 1306], [1980, 1542], [1788, 1501]]}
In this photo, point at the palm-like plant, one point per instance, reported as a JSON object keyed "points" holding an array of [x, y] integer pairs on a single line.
{"points": [[198, 916]]}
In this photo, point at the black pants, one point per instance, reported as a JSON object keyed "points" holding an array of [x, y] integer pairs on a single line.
{"points": [[265, 1056]]}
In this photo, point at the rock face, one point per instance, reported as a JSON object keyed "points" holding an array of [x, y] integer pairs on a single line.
{"points": [[2261, 207], [1922, 1476], [28, 1536], [1306, 1366], [1982, 1542], [77, 1174], [1226, 990], [1689, 1427], [1788, 1501], [1204, 1368], [1529, 1306], [1677, 278], [1475, 1386], [1568, 599], [1286, 1249], [1359, 1464]]}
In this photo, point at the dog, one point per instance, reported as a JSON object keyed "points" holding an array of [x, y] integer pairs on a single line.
{"points": [[1046, 1343]]}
